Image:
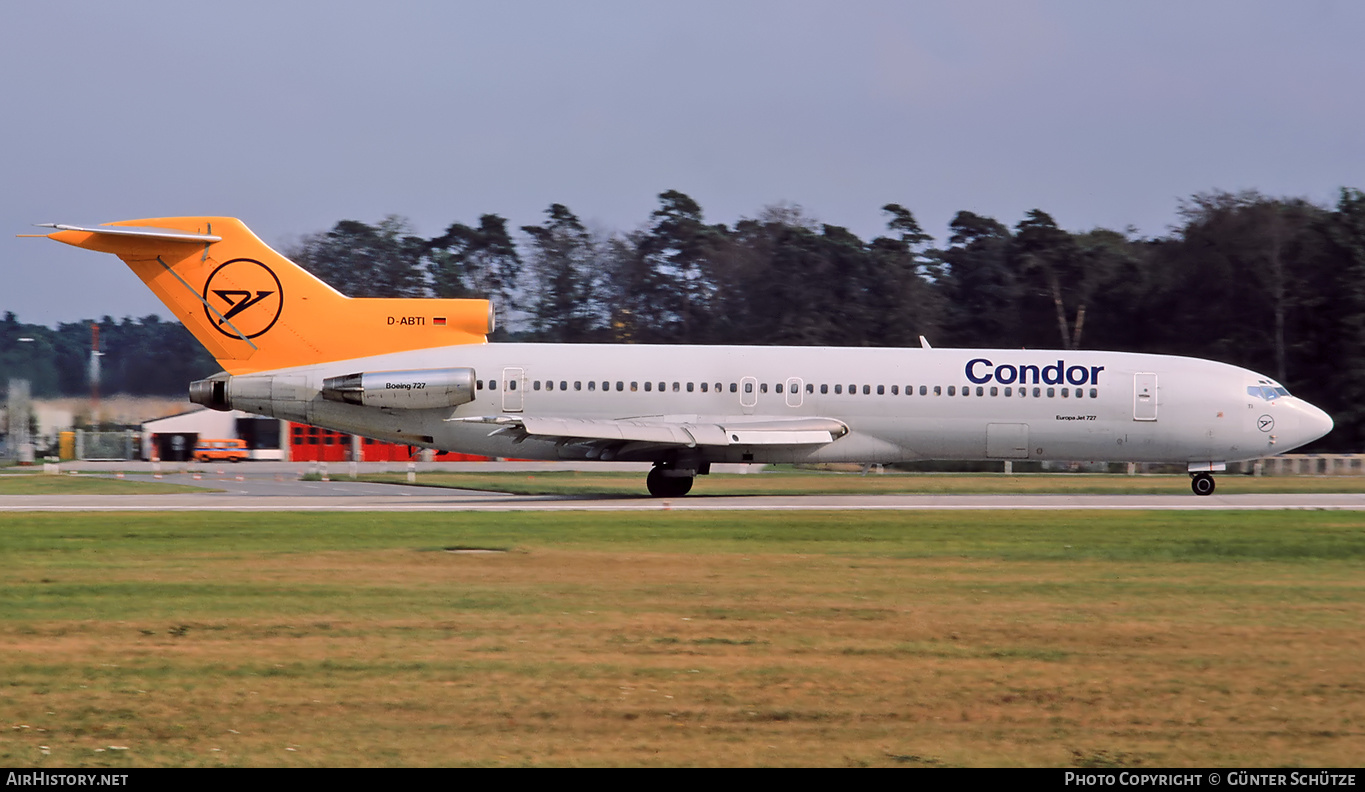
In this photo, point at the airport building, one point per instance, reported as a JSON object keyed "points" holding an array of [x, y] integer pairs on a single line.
{"points": [[174, 438]]}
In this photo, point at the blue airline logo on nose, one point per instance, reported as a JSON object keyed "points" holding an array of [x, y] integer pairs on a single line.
{"points": [[981, 371]]}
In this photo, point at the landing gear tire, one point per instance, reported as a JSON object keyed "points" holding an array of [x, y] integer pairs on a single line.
{"points": [[1202, 484], [661, 486]]}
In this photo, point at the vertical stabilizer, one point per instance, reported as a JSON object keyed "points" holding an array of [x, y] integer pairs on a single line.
{"points": [[255, 310]]}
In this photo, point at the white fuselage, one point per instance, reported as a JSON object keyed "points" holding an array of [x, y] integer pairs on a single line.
{"points": [[898, 404]]}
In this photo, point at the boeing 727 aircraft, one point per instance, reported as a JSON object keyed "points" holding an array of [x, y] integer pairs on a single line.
{"points": [[420, 371]]}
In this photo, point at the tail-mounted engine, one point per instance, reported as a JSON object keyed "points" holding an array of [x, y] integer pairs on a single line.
{"points": [[287, 395], [418, 389]]}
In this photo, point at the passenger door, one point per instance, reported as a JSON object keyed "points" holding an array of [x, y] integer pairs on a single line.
{"points": [[748, 394], [512, 382], [1144, 396]]}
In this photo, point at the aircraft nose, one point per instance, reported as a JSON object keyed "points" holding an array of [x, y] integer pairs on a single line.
{"points": [[1315, 422]]}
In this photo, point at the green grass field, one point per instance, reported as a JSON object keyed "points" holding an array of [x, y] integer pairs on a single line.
{"points": [[673, 638], [789, 482], [39, 484]]}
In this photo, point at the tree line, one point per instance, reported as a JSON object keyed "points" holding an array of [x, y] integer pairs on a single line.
{"points": [[1273, 284], [141, 357]]}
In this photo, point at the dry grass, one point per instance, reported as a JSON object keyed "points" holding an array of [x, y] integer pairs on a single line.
{"points": [[811, 483], [638, 653]]}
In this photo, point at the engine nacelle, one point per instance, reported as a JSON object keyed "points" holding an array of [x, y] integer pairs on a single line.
{"points": [[416, 389]]}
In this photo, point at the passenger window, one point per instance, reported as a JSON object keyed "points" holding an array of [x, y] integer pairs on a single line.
{"points": [[578, 385], [733, 387], [634, 386], [703, 387], [1051, 392], [564, 384], [1093, 393], [535, 385], [952, 390], [511, 384], [881, 390], [649, 386], [478, 384], [852, 389], [493, 385], [810, 387], [980, 391], [895, 390], [995, 391], [748, 387], [592, 385], [924, 390], [606, 385], [839, 390], [620, 386], [689, 387], [938, 390], [763, 388], [824, 388], [1009, 391], [1065, 392]]}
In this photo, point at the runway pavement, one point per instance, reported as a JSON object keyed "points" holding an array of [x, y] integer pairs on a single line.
{"points": [[259, 488]]}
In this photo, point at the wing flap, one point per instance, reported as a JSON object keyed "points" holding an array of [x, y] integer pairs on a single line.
{"points": [[597, 429], [722, 432]]}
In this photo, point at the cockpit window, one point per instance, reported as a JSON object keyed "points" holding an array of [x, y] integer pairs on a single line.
{"points": [[1266, 392]]}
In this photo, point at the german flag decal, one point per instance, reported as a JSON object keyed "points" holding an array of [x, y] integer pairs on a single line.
{"points": [[440, 320]]}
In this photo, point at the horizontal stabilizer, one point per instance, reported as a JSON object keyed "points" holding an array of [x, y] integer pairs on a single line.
{"points": [[162, 234]]}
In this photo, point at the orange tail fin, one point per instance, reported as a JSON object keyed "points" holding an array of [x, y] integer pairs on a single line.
{"points": [[255, 310]]}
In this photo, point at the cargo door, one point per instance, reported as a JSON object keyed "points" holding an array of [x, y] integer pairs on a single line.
{"points": [[1007, 441]]}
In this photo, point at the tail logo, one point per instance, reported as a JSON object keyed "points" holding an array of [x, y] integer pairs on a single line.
{"points": [[247, 296]]}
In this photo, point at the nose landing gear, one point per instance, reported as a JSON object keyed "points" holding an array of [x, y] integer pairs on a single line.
{"points": [[1201, 483]]}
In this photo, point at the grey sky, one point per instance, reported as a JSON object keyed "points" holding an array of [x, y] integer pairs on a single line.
{"points": [[294, 115]]}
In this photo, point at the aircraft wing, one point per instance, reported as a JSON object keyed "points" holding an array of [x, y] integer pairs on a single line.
{"points": [[661, 430]]}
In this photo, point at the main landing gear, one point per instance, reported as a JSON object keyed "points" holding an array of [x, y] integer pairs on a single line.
{"points": [[666, 481], [1201, 483]]}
